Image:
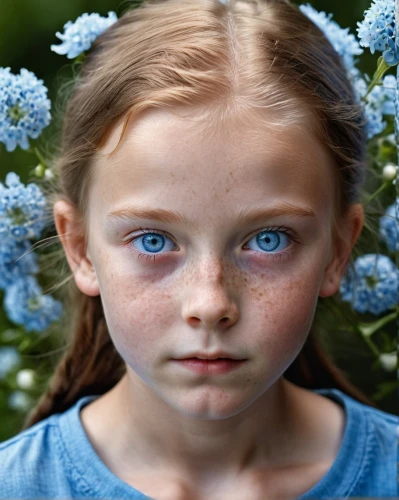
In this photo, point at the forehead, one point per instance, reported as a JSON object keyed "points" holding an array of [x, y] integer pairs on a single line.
{"points": [[246, 162]]}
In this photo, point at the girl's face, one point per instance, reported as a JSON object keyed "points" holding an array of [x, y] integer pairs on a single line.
{"points": [[237, 239]]}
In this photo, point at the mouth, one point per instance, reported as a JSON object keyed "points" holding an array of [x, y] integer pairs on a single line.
{"points": [[209, 359], [216, 366]]}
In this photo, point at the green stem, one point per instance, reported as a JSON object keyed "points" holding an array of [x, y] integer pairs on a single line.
{"points": [[382, 67], [368, 329], [371, 344], [356, 329], [379, 190], [39, 156]]}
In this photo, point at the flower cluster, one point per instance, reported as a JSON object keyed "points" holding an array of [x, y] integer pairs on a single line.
{"points": [[80, 35], [381, 99], [24, 108], [343, 42], [22, 218], [389, 227], [22, 210], [377, 30], [9, 358], [373, 285], [26, 305]]}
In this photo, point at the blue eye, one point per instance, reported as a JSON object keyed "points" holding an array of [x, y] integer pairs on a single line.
{"points": [[152, 242], [268, 240]]}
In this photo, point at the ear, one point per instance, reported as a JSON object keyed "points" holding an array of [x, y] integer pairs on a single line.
{"points": [[348, 232], [70, 230]]}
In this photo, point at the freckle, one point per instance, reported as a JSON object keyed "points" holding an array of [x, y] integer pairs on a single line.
{"points": [[227, 190]]}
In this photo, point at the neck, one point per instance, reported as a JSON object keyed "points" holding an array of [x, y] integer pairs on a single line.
{"points": [[143, 429]]}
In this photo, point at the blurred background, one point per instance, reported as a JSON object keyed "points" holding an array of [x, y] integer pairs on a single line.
{"points": [[27, 29]]}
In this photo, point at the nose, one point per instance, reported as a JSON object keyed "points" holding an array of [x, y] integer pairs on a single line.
{"points": [[208, 302]]}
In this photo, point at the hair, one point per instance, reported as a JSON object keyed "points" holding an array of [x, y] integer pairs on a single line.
{"points": [[247, 55]]}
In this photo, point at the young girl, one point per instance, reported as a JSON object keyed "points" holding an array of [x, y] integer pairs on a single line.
{"points": [[211, 161]]}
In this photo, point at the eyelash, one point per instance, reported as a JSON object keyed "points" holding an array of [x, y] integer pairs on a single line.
{"points": [[278, 256]]}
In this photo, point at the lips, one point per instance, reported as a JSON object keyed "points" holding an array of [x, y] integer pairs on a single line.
{"points": [[211, 356], [216, 366]]}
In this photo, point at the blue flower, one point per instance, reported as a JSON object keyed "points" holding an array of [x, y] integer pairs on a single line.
{"points": [[380, 101], [389, 227], [377, 30], [26, 305], [19, 401], [9, 358], [80, 35], [22, 209], [24, 108], [373, 285], [12, 265], [343, 42]]}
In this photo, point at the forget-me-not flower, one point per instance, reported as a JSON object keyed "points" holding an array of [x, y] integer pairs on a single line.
{"points": [[9, 358], [16, 261], [22, 209], [379, 102], [26, 305], [343, 42], [389, 227], [373, 286], [377, 30], [19, 401], [24, 108], [80, 35]]}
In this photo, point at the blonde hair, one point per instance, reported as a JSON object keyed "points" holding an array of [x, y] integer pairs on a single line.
{"points": [[247, 55]]}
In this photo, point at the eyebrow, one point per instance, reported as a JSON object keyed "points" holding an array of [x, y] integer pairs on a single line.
{"points": [[244, 216]]}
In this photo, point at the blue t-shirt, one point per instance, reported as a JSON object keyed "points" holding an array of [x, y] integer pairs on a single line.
{"points": [[55, 459]]}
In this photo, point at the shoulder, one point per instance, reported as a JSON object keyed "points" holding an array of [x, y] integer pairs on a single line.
{"points": [[383, 432], [381, 453], [370, 451], [31, 462]]}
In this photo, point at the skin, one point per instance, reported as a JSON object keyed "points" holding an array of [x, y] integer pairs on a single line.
{"points": [[205, 292]]}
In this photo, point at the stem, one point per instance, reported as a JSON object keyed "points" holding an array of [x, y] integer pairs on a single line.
{"points": [[371, 344], [368, 329], [355, 327], [379, 190], [382, 67], [40, 157]]}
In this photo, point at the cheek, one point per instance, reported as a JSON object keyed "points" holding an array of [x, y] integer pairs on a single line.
{"points": [[136, 313], [283, 314]]}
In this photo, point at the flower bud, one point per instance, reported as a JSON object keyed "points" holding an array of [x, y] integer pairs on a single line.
{"points": [[25, 378], [389, 172], [389, 361], [48, 174], [39, 170]]}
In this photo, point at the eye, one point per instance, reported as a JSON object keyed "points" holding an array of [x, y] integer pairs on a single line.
{"points": [[152, 241], [273, 242]]}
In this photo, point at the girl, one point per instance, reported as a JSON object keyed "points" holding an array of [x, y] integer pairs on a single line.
{"points": [[211, 162]]}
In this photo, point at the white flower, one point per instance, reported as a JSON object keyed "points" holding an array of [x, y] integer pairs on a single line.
{"points": [[25, 378], [48, 174], [389, 172], [389, 361]]}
